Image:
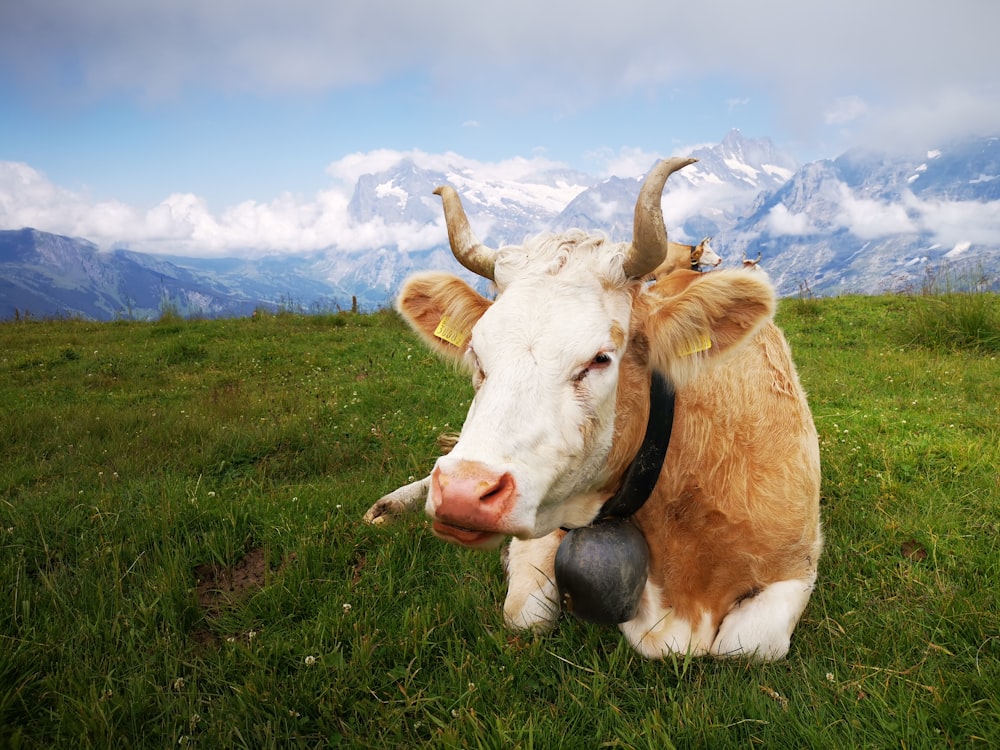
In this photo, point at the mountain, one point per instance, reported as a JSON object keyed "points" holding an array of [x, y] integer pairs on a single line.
{"points": [[503, 208], [709, 196], [868, 223], [49, 275], [861, 223]]}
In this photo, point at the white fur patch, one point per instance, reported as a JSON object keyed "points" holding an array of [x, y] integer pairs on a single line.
{"points": [[762, 626], [657, 632]]}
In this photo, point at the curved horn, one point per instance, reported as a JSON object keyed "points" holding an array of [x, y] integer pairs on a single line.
{"points": [[649, 234], [467, 249]]}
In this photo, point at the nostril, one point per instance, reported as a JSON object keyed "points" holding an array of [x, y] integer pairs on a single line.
{"points": [[499, 490]]}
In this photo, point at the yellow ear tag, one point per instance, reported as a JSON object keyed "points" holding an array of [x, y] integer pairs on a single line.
{"points": [[703, 344], [453, 336]]}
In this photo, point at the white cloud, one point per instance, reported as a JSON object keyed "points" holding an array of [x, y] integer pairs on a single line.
{"points": [[782, 222], [920, 122], [625, 162], [948, 222], [29, 199], [869, 219], [183, 223], [958, 222]]}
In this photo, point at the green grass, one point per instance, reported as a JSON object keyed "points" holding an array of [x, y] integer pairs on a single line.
{"points": [[136, 456], [954, 312]]}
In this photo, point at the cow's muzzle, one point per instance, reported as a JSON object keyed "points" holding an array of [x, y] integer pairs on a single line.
{"points": [[471, 503]]}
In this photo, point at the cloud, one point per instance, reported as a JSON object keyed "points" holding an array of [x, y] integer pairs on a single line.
{"points": [[780, 221], [931, 120], [873, 66], [29, 199], [948, 223], [626, 161], [183, 223], [958, 222], [870, 219]]}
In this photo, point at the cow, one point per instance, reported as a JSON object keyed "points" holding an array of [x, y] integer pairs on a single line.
{"points": [[692, 257], [752, 265], [568, 365]]}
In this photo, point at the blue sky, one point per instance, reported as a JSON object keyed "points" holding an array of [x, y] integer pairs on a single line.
{"points": [[112, 109]]}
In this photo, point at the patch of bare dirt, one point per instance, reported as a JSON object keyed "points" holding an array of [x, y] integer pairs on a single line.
{"points": [[219, 586], [913, 550]]}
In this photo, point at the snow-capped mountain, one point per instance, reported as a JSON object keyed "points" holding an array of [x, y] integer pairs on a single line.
{"points": [[861, 223], [868, 223], [503, 207], [701, 200]]}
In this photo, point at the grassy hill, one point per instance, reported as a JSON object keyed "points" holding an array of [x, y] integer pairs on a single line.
{"points": [[183, 561]]}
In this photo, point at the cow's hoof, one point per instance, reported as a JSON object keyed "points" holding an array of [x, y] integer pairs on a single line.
{"points": [[601, 571], [381, 512]]}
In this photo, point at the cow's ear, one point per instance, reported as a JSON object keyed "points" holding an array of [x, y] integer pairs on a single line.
{"points": [[442, 309], [694, 318]]}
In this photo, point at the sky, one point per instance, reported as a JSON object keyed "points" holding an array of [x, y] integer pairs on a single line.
{"points": [[215, 126]]}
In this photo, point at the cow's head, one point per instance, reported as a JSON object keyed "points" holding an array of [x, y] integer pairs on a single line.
{"points": [[560, 363], [704, 255]]}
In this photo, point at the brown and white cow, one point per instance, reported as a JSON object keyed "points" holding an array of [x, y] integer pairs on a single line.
{"points": [[690, 257], [561, 363]]}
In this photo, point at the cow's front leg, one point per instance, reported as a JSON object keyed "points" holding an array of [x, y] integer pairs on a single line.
{"points": [[762, 626], [398, 501], [532, 598]]}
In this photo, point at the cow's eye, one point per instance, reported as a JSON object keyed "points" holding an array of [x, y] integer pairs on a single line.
{"points": [[599, 362]]}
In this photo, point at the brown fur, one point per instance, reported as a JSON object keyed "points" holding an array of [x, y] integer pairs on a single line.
{"points": [[720, 532]]}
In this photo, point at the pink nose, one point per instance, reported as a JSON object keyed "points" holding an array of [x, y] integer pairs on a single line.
{"points": [[470, 495]]}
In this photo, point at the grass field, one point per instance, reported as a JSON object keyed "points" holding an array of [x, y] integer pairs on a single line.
{"points": [[183, 561]]}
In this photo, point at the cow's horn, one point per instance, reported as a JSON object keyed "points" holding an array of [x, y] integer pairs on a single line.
{"points": [[471, 253], [649, 234]]}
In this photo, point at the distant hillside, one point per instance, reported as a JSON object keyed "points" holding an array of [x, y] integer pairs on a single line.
{"points": [[48, 275]]}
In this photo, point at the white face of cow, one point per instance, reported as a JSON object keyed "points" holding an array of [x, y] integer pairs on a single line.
{"points": [[708, 256], [545, 361]]}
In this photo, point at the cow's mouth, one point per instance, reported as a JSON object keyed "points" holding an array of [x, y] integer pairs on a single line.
{"points": [[472, 538]]}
